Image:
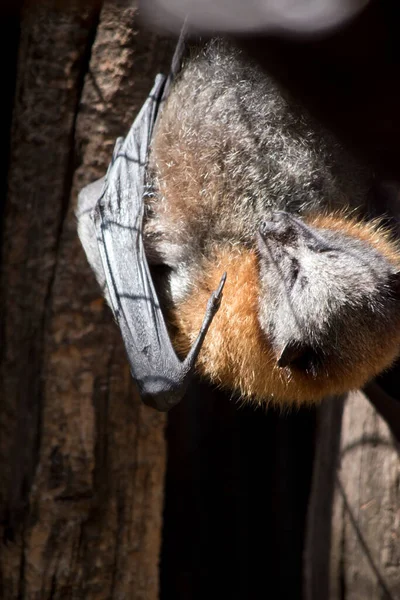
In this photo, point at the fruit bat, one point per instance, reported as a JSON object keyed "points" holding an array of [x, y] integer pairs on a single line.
{"points": [[222, 173]]}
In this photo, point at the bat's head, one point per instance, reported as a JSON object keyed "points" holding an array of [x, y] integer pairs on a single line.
{"points": [[329, 295], [314, 312]]}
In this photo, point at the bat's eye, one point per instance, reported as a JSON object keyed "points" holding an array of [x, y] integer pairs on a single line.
{"points": [[295, 269], [319, 247], [318, 243]]}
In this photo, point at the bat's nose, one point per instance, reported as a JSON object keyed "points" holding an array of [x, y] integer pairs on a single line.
{"points": [[278, 226]]}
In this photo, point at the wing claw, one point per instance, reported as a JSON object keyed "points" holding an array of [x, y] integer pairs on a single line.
{"points": [[110, 214]]}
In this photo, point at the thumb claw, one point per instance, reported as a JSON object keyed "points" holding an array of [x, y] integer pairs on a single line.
{"points": [[218, 293]]}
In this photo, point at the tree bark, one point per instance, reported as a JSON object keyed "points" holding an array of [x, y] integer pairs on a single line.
{"points": [[81, 459]]}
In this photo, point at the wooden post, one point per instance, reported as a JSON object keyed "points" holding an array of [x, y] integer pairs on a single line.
{"points": [[353, 542], [81, 459]]}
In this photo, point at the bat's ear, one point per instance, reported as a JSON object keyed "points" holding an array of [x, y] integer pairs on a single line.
{"points": [[299, 355]]}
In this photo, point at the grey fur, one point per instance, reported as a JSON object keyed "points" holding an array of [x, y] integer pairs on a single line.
{"points": [[254, 147], [252, 152]]}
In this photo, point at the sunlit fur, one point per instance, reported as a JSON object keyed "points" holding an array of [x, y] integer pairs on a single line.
{"points": [[229, 150]]}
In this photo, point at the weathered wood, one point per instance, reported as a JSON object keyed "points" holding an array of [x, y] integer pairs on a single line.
{"points": [[353, 545], [46, 101], [81, 460], [365, 559]]}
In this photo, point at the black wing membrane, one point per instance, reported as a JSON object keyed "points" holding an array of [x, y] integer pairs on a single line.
{"points": [[110, 225]]}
